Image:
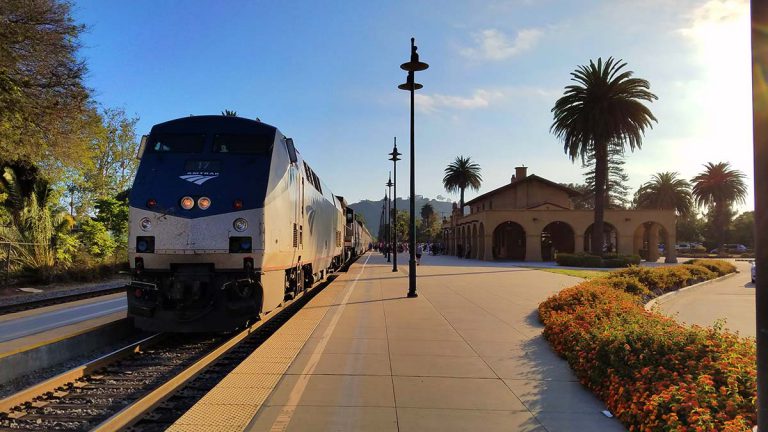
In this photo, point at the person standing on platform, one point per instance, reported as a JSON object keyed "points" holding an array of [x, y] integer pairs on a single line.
{"points": [[419, 252]]}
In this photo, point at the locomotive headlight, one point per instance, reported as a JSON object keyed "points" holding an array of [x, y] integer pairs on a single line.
{"points": [[203, 203], [187, 202], [145, 224], [240, 224]]}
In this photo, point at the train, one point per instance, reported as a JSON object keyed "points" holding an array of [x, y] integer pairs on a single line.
{"points": [[226, 222]]}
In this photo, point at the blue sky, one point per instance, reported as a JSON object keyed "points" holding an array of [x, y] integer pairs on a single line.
{"points": [[326, 74]]}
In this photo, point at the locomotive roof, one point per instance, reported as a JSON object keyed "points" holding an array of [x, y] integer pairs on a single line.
{"points": [[204, 123]]}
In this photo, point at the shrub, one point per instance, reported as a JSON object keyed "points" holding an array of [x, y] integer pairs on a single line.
{"points": [[580, 259], [583, 259], [718, 266], [96, 239], [651, 372]]}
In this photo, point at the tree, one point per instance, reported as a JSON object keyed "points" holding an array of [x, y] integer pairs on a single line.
{"points": [[603, 108], [228, 113], [665, 191], [460, 174], [43, 101], [427, 212], [584, 202], [113, 146], [718, 187], [690, 228], [616, 189], [743, 229]]}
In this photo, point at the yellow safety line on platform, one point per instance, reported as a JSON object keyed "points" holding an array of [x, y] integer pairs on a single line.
{"points": [[284, 418], [233, 403]]}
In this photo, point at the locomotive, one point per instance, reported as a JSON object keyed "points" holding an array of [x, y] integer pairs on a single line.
{"points": [[226, 222]]}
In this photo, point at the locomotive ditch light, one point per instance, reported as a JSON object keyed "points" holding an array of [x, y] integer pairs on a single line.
{"points": [[204, 203], [240, 224], [145, 244], [138, 264], [145, 224], [187, 203], [240, 244], [151, 203]]}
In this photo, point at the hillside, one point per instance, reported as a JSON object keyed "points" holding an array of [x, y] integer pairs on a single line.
{"points": [[371, 210]]}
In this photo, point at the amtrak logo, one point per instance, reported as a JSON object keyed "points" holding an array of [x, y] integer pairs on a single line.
{"points": [[198, 179]]}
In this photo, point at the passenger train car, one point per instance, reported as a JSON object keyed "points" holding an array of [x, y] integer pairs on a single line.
{"points": [[227, 220]]}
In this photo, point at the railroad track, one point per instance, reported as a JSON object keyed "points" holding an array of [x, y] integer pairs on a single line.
{"points": [[34, 304], [130, 388]]}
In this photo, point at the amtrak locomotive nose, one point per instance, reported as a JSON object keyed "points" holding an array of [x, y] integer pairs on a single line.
{"points": [[226, 219]]}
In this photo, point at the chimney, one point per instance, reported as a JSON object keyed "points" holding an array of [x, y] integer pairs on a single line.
{"points": [[521, 172]]}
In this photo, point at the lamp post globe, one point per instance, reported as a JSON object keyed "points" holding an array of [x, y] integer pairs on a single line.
{"points": [[413, 66], [394, 157]]}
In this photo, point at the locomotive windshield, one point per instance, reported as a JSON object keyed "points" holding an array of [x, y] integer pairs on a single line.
{"points": [[241, 143], [176, 143]]}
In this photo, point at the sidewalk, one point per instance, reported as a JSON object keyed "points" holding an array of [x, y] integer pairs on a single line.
{"points": [[467, 354]]}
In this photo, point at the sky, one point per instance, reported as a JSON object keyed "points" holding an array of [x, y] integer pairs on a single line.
{"points": [[326, 74]]}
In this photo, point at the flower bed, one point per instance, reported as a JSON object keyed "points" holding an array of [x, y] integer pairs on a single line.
{"points": [[653, 373]]}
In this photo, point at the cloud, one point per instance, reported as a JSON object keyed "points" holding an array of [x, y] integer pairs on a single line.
{"points": [[436, 102], [495, 45], [482, 98]]}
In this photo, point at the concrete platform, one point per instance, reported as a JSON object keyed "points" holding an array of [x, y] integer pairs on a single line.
{"points": [[467, 354], [41, 337]]}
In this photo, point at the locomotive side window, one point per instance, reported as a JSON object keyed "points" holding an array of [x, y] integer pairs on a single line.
{"points": [[176, 143], [243, 144]]}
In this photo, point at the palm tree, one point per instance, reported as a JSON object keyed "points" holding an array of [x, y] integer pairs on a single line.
{"points": [[718, 187], [461, 174], [427, 211], [228, 113], [665, 192], [603, 107]]}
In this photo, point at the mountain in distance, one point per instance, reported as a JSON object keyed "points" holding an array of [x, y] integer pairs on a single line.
{"points": [[371, 210]]}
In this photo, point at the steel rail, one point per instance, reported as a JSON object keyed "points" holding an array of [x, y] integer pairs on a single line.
{"points": [[86, 369], [133, 412]]}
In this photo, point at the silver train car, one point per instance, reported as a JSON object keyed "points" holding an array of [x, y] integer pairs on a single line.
{"points": [[227, 220]]}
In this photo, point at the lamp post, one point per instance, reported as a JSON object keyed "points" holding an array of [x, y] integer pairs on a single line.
{"points": [[411, 85], [394, 158], [389, 217]]}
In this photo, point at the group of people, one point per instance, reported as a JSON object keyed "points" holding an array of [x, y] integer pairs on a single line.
{"points": [[421, 249]]}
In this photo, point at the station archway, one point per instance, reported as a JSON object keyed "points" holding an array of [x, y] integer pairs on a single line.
{"points": [[556, 237], [610, 238], [509, 241]]}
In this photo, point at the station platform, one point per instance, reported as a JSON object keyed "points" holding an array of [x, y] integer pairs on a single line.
{"points": [[466, 354], [41, 337]]}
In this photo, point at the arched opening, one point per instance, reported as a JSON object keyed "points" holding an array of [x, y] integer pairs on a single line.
{"points": [[650, 241], [474, 242], [509, 242], [481, 246], [556, 237], [610, 238]]}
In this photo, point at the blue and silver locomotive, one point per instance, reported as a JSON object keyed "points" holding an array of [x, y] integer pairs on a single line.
{"points": [[226, 221]]}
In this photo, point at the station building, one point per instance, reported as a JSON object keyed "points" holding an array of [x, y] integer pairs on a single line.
{"points": [[532, 219]]}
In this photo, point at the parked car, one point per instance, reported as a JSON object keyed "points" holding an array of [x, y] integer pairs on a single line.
{"points": [[731, 248], [689, 247], [753, 270]]}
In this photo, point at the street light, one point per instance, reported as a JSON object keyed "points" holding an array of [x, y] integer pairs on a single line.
{"points": [[389, 216], [411, 85], [394, 160]]}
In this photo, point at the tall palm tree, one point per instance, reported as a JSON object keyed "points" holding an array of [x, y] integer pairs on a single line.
{"points": [[665, 192], [460, 174], [229, 113], [603, 107], [719, 187]]}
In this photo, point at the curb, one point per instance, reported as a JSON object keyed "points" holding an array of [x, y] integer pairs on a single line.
{"points": [[662, 298]]}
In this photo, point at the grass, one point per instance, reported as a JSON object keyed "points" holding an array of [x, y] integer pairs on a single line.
{"points": [[584, 274]]}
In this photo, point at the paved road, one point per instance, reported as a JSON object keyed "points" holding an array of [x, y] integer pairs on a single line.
{"points": [[33, 323], [732, 299]]}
